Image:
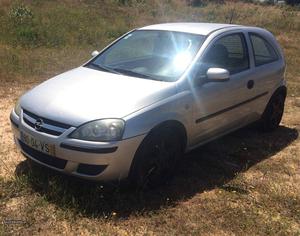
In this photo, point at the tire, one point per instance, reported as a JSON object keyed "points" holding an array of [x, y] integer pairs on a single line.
{"points": [[156, 158], [272, 115]]}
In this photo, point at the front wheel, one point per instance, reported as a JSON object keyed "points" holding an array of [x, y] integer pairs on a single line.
{"points": [[272, 115], [156, 158]]}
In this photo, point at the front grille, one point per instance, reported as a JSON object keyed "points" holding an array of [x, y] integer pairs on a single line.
{"points": [[90, 169], [42, 157], [49, 126]]}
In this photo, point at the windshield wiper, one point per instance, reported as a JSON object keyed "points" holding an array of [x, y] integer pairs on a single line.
{"points": [[133, 73], [104, 68], [121, 71]]}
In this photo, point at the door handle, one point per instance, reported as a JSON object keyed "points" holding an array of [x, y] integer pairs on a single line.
{"points": [[250, 84]]}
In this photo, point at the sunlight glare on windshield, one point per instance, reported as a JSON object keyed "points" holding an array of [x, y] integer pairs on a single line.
{"points": [[182, 60], [150, 54]]}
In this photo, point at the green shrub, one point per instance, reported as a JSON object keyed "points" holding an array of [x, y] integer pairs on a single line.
{"points": [[21, 14], [27, 36], [22, 27]]}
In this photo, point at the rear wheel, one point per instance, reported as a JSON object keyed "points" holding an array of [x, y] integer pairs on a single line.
{"points": [[272, 115], [156, 158]]}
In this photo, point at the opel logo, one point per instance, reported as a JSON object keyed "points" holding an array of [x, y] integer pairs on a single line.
{"points": [[38, 124]]}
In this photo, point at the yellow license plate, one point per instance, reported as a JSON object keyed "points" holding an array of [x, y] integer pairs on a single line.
{"points": [[38, 144]]}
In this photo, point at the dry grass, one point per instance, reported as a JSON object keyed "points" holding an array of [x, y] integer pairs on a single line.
{"points": [[244, 183]]}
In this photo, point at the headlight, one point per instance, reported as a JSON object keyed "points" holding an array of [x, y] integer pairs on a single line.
{"points": [[17, 108], [100, 130]]}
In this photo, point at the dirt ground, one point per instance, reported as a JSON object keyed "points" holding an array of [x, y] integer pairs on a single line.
{"points": [[242, 180]]}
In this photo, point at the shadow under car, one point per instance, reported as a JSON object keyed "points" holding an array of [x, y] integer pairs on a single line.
{"points": [[207, 167]]}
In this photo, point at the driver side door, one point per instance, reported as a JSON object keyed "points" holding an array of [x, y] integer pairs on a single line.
{"points": [[221, 106]]}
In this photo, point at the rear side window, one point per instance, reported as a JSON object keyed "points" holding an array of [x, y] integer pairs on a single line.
{"points": [[263, 52], [229, 52]]}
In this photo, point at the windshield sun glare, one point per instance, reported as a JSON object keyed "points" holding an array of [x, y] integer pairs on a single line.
{"points": [[150, 54]]}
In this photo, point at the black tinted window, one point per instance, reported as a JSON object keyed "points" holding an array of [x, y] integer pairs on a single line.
{"points": [[263, 52], [229, 52]]}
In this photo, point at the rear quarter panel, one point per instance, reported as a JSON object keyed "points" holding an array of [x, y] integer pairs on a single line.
{"points": [[268, 77]]}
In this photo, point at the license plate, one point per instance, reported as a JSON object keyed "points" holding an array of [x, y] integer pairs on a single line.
{"points": [[38, 144]]}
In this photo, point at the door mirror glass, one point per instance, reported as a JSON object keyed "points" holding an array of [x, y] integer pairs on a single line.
{"points": [[95, 53], [217, 74]]}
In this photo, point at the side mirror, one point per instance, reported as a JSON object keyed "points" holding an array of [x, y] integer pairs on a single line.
{"points": [[94, 53], [217, 74]]}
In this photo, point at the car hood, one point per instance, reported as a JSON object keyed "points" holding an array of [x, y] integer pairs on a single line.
{"points": [[82, 94]]}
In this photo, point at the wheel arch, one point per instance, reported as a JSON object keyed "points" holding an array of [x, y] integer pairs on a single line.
{"points": [[174, 124], [280, 90], [265, 122]]}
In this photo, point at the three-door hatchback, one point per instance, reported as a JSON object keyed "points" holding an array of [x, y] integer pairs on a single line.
{"points": [[151, 95]]}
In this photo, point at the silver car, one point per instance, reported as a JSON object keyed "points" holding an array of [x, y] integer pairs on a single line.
{"points": [[156, 92]]}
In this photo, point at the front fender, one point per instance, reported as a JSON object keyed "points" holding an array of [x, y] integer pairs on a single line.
{"points": [[177, 107]]}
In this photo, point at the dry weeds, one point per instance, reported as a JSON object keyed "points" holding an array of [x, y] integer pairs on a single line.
{"points": [[246, 183]]}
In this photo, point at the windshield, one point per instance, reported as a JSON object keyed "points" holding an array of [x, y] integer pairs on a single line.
{"points": [[150, 54]]}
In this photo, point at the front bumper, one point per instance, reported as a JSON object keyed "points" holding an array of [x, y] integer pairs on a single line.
{"points": [[99, 161]]}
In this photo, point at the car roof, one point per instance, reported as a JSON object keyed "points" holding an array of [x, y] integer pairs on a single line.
{"points": [[194, 28]]}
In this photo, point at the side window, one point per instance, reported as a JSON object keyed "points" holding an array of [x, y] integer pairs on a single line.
{"points": [[263, 52], [229, 52]]}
